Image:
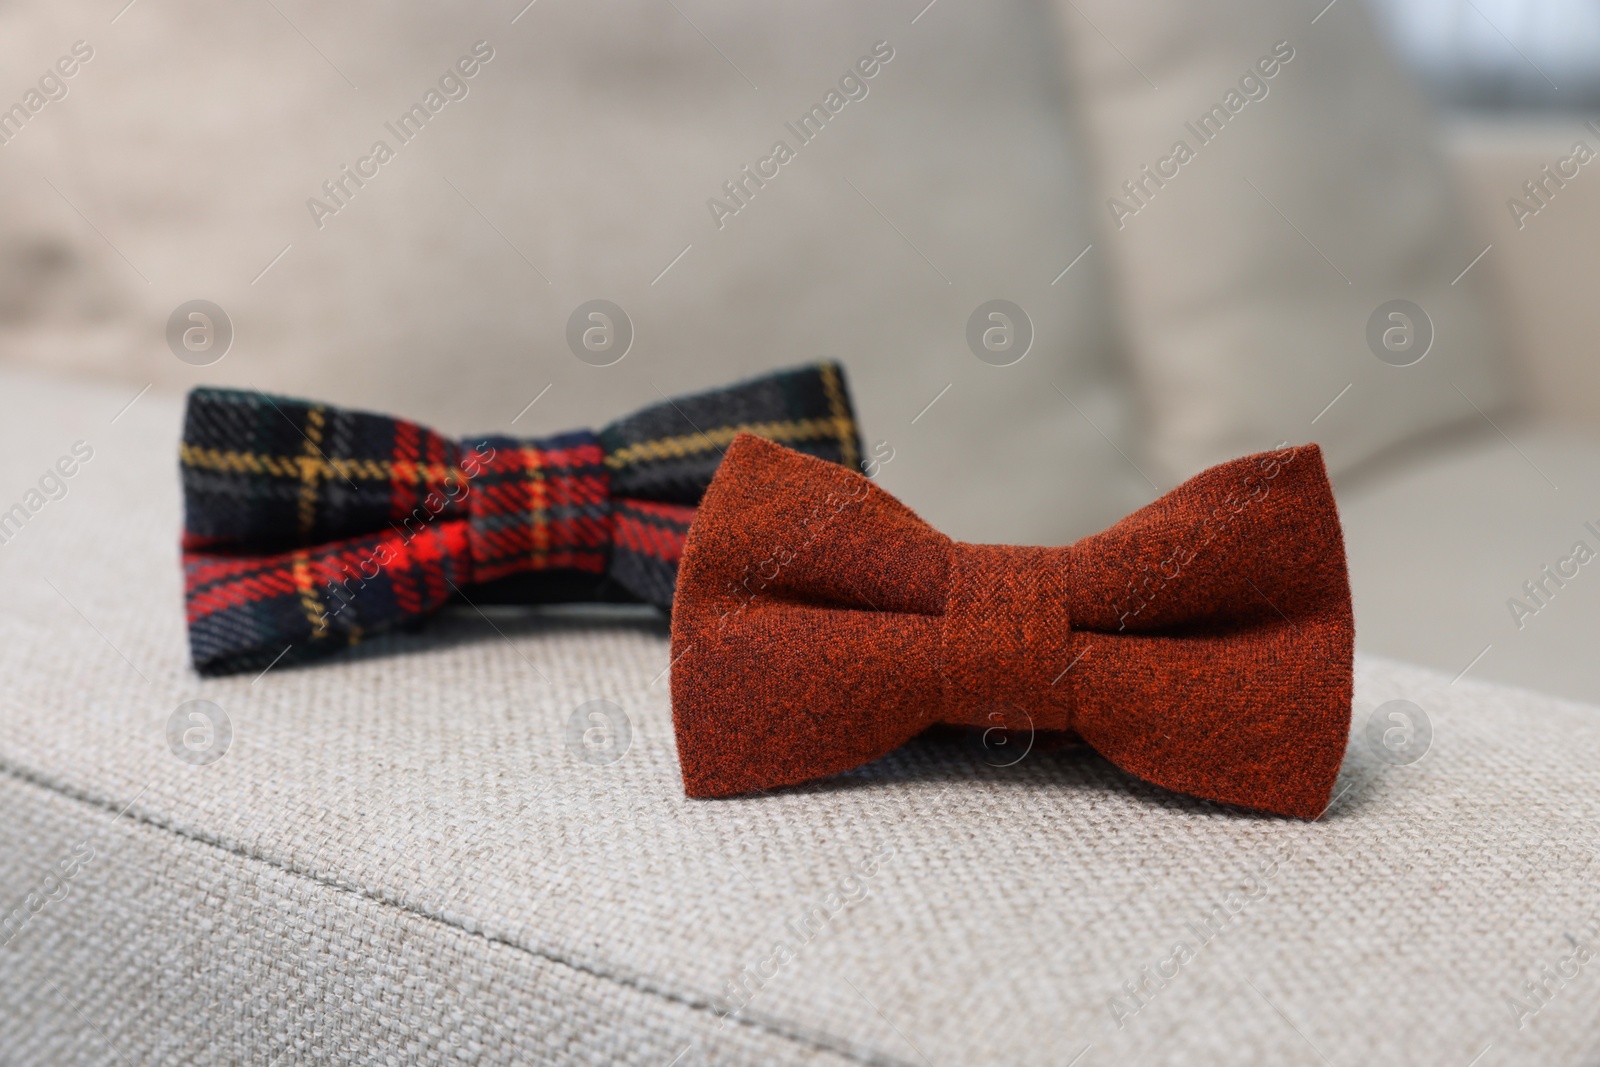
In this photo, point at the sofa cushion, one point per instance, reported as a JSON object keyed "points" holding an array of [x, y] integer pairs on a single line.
{"points": [[1251, 264], [439, 848], [580, 164]]}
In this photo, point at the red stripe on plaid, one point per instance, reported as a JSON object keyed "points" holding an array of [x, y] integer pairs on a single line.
{"points": [[537, 508], [510, 462], [407, 595], [427, 555], [245, 590], [522, 499], [402, 494], [430, 554], [574, 533], [673, 514], [663, 538], [426, 550], [407, 441], [203, 568]]}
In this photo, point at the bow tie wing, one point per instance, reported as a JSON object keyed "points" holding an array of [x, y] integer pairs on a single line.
{"points": [[248, 612], [669, 451], [661, 459], [269, 473], [806, 630], [1216, 636]]}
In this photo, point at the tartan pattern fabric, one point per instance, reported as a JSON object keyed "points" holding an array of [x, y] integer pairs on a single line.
{"points": [[648, 545], [268, 472], [540, 505], [309, 527]]}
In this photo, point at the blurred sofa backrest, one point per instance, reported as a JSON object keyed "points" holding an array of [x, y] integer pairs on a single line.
{"points": [[624, 151], [1288, 250], [404, 208]]}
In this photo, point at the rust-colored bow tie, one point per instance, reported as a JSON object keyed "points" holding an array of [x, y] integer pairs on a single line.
{"points": [[1204, 643]]}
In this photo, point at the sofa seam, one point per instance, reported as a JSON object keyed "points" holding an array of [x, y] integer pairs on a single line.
{"points": [[695, 1002]]}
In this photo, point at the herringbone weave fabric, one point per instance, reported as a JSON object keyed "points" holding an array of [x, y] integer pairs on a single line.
{"points": [[1203, 643]]}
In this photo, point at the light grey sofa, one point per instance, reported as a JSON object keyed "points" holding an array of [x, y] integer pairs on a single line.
{"points": [[405, 855], [411, 855]]}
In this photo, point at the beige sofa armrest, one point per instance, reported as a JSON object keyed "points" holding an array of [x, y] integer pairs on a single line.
{"points": [[1542, 254]]}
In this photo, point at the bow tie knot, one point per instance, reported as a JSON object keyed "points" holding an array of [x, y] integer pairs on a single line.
{"points": [[538, 505], [1007, 637]]}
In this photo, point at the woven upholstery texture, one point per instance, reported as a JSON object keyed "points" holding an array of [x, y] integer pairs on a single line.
{"points": [[409, 856]]}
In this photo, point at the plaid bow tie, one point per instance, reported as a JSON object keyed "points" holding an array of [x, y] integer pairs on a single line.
{"points": [[308, 527], [1204, 643]]}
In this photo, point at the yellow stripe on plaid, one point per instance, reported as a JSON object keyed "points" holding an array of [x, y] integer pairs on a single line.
{"points": [[721, 436], [312, 469], [841, 420], [839, 427], [216, 459], [310, 602]]}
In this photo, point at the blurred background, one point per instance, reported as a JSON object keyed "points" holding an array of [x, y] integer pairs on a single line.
{"points": [[1378, 234]]}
